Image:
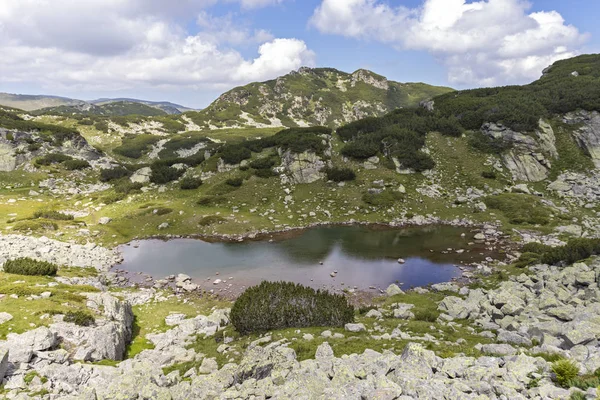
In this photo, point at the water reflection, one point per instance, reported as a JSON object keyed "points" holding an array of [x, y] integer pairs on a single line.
{"points": [[363, 256]]}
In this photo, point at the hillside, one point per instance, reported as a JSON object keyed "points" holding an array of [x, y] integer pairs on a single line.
{"points": [[30, 103], [312, 96], [54, 105], [108, 109]]}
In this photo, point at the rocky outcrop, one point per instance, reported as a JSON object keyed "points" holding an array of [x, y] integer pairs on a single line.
{"points": [[60, 253], [107, 339], [16, 149], [530, 155], [557, 308], [306, 167], [142, 175], [588, 133]]}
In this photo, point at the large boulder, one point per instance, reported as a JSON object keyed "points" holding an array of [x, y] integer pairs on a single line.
{"points": [[306, 167], [107, 339], [3, 363], [529, 158], [23, 347], [588, 134], [142, 175]]}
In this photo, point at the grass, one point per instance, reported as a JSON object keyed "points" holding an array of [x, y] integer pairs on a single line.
{"points": [[27, 314]]}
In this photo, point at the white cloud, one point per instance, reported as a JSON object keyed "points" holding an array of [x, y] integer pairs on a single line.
{"points": [[485, 42], [122, 44], [227, 30]]}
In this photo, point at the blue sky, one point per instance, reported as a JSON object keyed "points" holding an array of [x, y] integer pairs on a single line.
{"points": [[190, 51]]}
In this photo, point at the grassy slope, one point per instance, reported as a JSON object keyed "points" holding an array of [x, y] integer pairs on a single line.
{"points": [[313, 91]]}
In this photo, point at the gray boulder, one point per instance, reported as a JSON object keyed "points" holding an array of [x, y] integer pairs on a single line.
{"points": [[22, 347], [393, 290]]}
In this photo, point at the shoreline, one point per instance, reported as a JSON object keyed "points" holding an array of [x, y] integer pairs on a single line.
{"points": [[231, 288]]}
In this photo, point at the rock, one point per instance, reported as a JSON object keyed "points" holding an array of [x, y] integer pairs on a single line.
{"points": [[513, 338], [393, 290], [4, 363], [581, 333], [324, 351], [163, 226], [174, 319], [142, 175], [499, 349], [402, 311], [588, 134], [209, 365], [479, 236], [104, 221], [107, 339], [5, 317], [22, 347], [306, 167], [373, 314], [308, 336], [401, 261], [445, 287], [355, 327]]}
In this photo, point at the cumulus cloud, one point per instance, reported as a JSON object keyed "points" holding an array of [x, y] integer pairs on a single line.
{"points": [[121, 44], [484, 42]]}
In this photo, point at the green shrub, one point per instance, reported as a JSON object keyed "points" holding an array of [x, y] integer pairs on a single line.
{"points": [[280, 305], [102, 126], [264, 173], [489, 174], [134, 146], [162, 211], [107, 175], [162, 174], [55, 215], [263, 163], [76, 165], [52, 158], [578, 396], [10, 136], [575, 250], [28, 266], [25, 226], [207, 200], [34, 147], [235, 153], [190, 183], [480, 141], [520, 209], [565, 371], [527, 259], [387, 198], [360, 150], [126, 187], [112, 198], [211, 220], [234, 182], [340, 174], [426, 315], [81, 318]]}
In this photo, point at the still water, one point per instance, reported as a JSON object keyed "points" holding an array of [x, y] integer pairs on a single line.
{"points": [[362, 256]]}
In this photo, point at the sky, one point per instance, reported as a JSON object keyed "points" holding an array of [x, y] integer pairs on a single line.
{"points": [[191, 51]]}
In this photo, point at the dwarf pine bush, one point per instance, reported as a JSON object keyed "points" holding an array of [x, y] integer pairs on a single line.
{"points": [[279, 305], [28, 266]]}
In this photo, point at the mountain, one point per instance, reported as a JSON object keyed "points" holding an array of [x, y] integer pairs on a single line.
{"points": [[312, 96], [168, 107], [110, 109], [45, 104], [36, 102]]}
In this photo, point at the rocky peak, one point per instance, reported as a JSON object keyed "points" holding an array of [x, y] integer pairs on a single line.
{"points": [[370, 78]]}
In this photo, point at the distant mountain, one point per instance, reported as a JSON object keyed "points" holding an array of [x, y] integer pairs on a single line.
{"points": [[105, 106], [312, 96], [111, 109], [36, 102], [168, 107]]}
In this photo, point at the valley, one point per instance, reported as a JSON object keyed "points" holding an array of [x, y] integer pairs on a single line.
{"points": [[462, 225]]}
